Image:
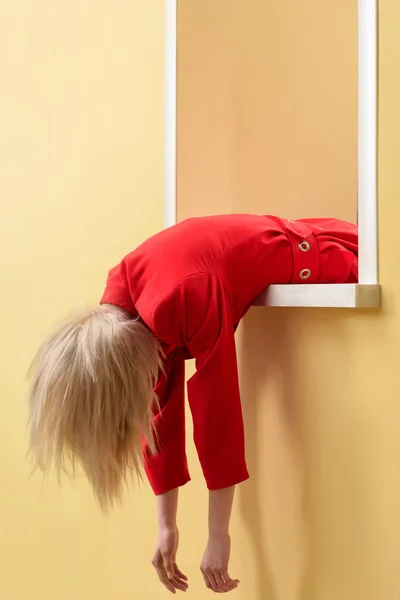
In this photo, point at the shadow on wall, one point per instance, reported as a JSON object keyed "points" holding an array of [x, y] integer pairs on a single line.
{"points": [[305, 501], [271, 502]]}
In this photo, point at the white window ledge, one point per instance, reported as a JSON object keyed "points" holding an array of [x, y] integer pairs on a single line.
{"points": [[321, 295]]}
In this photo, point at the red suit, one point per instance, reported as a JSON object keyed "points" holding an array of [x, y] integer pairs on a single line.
{"points": [[191, 284]]}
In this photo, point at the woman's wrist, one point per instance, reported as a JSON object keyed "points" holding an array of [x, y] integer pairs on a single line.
{"points": [[167, 525], [217, 531], [167, 508], [219, 512]]}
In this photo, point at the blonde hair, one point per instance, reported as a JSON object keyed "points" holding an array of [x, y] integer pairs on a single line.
{"points": [[91, 399]]}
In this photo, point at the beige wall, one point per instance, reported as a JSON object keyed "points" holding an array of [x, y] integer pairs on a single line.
{"points": [[267, 99], [319, 519]]}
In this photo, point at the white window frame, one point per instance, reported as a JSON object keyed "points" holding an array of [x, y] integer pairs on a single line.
{"points": [[365, 294]]}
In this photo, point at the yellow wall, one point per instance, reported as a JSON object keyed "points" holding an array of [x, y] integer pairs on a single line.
{"points": [[319, 520], [81, 118], [81, 183]]}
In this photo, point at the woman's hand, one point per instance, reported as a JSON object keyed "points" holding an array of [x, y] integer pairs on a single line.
{"points": [[215, 562], [164, 560]]}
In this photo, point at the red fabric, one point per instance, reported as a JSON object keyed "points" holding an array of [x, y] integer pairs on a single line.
{"points": [[191, 284]]}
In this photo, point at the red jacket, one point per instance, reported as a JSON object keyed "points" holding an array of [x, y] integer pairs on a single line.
{"points": [[191, 284]]}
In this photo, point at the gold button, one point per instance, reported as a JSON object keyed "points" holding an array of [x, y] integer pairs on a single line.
{"points": [[304, 246], [305, 274]]}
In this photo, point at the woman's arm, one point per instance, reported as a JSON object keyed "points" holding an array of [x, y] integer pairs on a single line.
{"points": [[164, 559], [168, 469], [198, 315], [215, 561]]}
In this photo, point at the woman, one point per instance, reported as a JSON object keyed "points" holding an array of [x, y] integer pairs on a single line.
{"points": [[108, 384]]}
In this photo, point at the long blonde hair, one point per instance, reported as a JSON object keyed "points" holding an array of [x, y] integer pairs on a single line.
{"points": [[91, 399]]}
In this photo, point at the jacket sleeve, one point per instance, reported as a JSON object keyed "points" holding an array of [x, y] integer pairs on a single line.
{"points": [[199, 313], [168, 468]]}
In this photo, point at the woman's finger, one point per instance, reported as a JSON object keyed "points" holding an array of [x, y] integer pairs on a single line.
{"points": [[179, 584], [207, 581], [171, 571], [232, 583], [220, 583], [212, 580], [162, 576], [169, 566], [179, 573]]}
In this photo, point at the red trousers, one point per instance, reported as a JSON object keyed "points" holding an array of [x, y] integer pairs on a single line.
{"points": [[324, 250]]}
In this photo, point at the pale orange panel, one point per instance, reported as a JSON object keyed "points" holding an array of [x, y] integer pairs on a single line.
{"points": [[267, 107]]}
